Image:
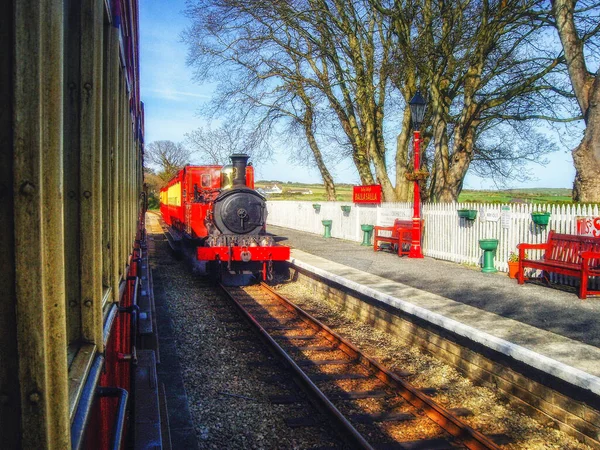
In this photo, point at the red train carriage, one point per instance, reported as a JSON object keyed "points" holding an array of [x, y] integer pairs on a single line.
{"points": [[217, 207]]}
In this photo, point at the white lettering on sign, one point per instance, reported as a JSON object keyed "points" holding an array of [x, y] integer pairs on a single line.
{"points": [[491, 215], [588, 226]]}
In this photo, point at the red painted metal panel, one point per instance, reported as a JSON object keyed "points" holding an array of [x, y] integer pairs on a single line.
{"points": [[198, 214], [250, 177], [275, 253], [212, 253]]}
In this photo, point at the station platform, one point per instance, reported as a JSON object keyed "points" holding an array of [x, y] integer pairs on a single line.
{"points": [[549, 328]]}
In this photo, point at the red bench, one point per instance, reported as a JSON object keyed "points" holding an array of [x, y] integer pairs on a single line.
{"points": [[400, 233], [567, 254]]}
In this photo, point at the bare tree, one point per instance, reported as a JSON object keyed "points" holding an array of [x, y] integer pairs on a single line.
{"points": [[215, 146], [269, 83], [484, 68], [578, 25], [306, 64], [169, 157], [154, 184], [313, 61]]}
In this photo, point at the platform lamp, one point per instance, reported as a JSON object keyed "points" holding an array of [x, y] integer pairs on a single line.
{"points": [[417, 112]]}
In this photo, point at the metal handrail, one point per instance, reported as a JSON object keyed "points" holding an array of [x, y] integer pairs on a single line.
{"points": [[82, 415], [123, 396], [108, 324]]}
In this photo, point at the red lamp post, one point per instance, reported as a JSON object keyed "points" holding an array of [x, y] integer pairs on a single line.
{"points": [[417, 112]]}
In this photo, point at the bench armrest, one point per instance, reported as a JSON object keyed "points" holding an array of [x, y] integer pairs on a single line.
{"points": [[590, 255], [524, 246], [532, 246], [384, 228]]}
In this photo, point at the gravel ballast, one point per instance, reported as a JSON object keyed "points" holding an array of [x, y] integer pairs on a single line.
{"points": [[491, 413], [228, 374]]}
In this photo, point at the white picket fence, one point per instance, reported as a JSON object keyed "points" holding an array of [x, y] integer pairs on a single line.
{"points": [[446, 236]]}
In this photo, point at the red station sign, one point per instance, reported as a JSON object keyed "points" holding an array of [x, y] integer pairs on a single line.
{"points": [[367, 194]]}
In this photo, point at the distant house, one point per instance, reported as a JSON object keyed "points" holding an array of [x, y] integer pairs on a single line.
{"points": [[272, 190], [299, 191]]}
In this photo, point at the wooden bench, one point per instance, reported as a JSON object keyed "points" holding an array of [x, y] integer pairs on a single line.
{"points": [[567, 254], [400, 233]]}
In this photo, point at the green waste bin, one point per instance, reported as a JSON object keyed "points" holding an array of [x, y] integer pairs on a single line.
{"points": [[327, 225], [489, 251], [368, 232]]}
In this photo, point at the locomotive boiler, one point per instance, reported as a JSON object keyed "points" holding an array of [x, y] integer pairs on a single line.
{"points": [[217, 210]]}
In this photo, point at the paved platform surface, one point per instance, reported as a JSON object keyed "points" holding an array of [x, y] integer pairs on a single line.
{"points": [[552, 322]]}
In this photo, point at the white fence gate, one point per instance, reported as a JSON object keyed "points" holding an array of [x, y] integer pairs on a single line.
{"points": [[446, 236]]}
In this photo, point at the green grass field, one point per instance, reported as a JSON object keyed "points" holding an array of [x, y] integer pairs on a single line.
{"points": [[344, 194]]}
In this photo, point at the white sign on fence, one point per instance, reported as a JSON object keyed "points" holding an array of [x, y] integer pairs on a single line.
{"points": [[491, 215], [506, 216], [386, 216]]}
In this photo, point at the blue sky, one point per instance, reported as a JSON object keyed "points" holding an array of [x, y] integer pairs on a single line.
{"points": [[172, 100]]}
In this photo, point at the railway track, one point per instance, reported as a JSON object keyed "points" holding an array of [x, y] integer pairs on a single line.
{"points": [[371, 407]]}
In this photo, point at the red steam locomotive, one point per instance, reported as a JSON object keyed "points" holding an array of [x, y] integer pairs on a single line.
{"points": [[217, 208]]}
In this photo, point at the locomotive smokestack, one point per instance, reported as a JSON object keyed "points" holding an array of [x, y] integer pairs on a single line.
{"points": [[239, 162]]}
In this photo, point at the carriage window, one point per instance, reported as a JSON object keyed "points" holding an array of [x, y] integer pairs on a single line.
{"points": [[206, 180]]}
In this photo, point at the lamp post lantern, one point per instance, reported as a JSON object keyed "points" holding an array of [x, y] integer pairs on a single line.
{"points": [[417, 112]]}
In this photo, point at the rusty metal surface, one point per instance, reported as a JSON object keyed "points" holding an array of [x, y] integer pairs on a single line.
{"points": [[350, 434], [442, 416], [9, 384], [71, 171], [38, 215], [113, 146], [91, 20]]}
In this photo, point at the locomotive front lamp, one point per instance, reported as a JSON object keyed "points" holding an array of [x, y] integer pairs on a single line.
{"points": [[417, 113]]}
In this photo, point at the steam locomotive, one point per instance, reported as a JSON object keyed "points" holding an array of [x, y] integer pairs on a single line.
{"points": [[217, 210]]}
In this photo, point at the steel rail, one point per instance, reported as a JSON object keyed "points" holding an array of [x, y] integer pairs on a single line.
{"points": [[470, 437], [347, 431]]}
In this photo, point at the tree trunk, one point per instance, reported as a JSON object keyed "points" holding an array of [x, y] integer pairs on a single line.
{"points": [[403, 186], [586, 157], [325, 174], [449, 181], [308, 123]]}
